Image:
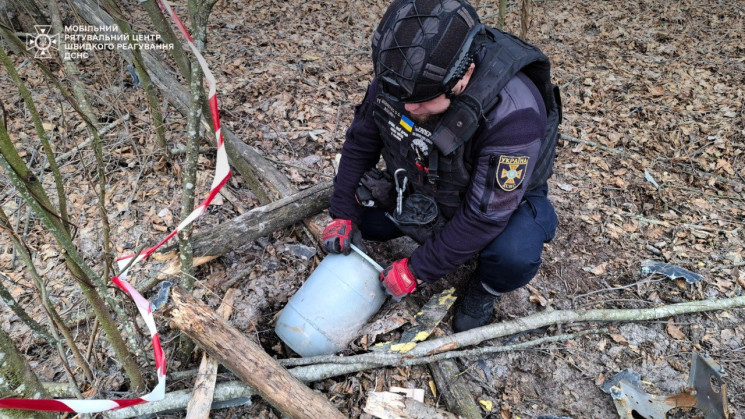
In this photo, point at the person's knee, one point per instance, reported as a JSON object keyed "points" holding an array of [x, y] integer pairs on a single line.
{"points": [[509, 269]]}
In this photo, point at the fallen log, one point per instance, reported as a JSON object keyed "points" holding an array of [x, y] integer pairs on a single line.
{"points": [[453, 389], [247, 227], [262, 221], [204, 385], [246, 359]]}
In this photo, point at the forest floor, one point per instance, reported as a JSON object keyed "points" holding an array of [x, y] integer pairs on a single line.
{"points": [[655, 91]]}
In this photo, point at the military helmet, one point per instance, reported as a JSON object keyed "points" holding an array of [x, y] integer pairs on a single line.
{"points": [[422, 48]]}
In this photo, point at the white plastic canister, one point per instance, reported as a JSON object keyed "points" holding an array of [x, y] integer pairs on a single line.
{"points": [[329, 310]]}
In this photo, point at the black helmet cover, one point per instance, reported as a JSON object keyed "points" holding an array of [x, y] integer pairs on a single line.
{"points": [[421, 48]]}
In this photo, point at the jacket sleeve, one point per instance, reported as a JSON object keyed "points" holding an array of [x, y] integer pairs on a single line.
{"points": [[360, 152], [492, 195]]}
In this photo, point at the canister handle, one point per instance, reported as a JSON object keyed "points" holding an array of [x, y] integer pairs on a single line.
{"points": [[366, 257]]}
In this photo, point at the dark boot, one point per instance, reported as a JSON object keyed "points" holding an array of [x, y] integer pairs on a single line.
{"points": [[476, 308]]}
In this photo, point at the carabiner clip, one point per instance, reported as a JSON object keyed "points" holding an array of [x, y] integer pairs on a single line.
{"points": [[400, 189]]}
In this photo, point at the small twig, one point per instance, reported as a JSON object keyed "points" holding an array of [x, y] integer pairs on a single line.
{"points": [[181, 149], [103, 131], [300, 168], [590, 143], [21, 313], [91, 341], [701, 173], [239, 276], [648, 281], [281, 134]]}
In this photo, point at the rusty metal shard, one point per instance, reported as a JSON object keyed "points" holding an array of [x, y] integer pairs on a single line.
{"points": [[706, 391], [711, 390]]}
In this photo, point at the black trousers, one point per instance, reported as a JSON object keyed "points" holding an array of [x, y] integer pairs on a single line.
{"points": [[512, 259]]}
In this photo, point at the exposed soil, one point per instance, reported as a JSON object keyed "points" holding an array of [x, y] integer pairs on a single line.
{"points": [[652, 166]]}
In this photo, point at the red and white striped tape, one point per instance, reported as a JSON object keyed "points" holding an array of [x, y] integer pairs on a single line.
{"points": [[222, 174]]}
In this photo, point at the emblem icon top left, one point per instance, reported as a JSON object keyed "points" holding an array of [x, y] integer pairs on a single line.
{"points": [[43, 42]]}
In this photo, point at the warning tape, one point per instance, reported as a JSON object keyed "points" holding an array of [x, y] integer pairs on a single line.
{"points": [[222, 174]]}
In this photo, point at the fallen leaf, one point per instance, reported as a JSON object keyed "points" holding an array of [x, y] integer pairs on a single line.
{"points": [[602, 344], [674, 330], [599, 269], [487, 405], [656, 90], [618, 338]]}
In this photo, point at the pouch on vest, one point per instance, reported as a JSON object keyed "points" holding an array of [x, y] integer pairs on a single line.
{"points": [[419, 217], [376, 190]]}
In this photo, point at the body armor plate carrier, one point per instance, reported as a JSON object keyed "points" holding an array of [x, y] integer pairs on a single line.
{"points": [[444, 173]]}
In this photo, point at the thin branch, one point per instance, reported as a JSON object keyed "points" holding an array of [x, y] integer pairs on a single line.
{"points": [[43, 137], [387, 359], [103, 131], [546, 318], [54, 318], [141, 70], [21, 313], [590, 143]]}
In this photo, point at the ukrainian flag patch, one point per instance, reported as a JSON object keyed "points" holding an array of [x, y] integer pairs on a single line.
{"points": [[407, 123]]}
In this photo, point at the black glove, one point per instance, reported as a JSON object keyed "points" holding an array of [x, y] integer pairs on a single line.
{"points": [[376, 189]]}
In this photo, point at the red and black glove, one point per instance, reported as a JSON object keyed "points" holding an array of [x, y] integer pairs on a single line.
{"points": [[398, 279], [339, 234]]}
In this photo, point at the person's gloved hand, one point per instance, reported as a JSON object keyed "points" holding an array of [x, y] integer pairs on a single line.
{"points": [[398, 279], [339, 234]]}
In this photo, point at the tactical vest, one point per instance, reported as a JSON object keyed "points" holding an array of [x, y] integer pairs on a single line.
{"points": [[438, 159]]}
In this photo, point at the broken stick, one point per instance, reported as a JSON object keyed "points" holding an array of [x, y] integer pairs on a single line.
{"points": [[204, 385], [453, 389], [387, 405], [247, 359]]}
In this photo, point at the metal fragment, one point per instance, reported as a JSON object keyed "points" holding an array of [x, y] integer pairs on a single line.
{"points": [[650, 267], [706, 391], [161, 297]]}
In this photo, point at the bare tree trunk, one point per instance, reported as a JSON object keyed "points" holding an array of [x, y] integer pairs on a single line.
{"points": [[147, 85], [188, 185], [502, 14], [16, 374], [168, 36], [525, 18], [21, 15], [31, 191]]}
